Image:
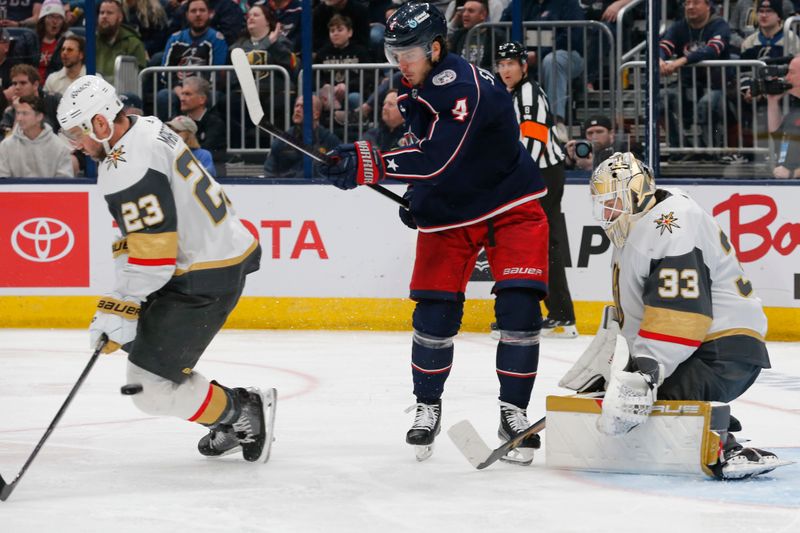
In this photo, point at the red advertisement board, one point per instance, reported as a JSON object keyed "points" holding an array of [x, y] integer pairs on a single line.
{"points": [[44, 239]]}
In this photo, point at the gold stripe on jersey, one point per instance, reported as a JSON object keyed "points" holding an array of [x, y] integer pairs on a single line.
{"points": [[119, 247], [692, 326], [153, 245], [733, 331], [218, 264]]}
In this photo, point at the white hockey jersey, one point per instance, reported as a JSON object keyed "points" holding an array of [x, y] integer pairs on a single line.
{"points": [[177, 222], [677, 283]]}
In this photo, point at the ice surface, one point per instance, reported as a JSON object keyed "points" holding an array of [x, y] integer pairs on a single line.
{"points": [[340, 463]]}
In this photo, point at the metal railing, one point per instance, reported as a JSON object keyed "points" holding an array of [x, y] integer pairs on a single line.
{"points": [[371, 81], [275, 98], [540, 36], [682, 97], [126, 75]]}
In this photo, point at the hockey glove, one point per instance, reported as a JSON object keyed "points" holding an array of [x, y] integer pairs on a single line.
{"points": [[117, 319], [352, 165], [405, 214]]}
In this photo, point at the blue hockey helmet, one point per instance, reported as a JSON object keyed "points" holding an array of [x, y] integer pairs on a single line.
{"points": [[413, 25]]}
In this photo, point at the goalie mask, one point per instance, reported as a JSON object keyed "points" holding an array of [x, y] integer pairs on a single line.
{"points": [[623, 191], [84, 98]]}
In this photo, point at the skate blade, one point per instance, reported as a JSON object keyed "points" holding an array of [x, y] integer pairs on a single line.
{"points": [[561, 332], [423, 452], [748, 470], [269, 401], [519, 456]]}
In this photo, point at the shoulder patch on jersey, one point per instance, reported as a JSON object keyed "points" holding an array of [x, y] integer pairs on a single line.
{"points": [[667, 221], [115, 157], [444, 77], [220, 36]]}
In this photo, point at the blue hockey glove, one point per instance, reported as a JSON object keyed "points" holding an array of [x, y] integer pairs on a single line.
{"points": [[405, 214], [352, 165]]}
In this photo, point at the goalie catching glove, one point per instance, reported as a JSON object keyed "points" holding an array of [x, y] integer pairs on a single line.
{"points": [[116, 318], [630, 394], [351, 165]]}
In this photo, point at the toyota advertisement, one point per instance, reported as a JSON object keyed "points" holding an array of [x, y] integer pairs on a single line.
{"points": [[321, 242]]}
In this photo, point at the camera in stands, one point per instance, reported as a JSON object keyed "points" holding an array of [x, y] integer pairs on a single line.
{"points": [[770, 80], [583, 148]]}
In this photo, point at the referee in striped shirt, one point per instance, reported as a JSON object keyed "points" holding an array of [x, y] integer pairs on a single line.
{"points": [[537, 133]]}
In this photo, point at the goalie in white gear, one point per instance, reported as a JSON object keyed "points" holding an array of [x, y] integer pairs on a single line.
{"points": [[692, 324], [181, 266]]}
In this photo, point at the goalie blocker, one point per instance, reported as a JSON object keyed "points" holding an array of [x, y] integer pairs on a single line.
{"points": [[681, 438]]}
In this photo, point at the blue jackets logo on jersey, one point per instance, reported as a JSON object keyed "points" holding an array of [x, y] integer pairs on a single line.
{"points": [[444, 77]]}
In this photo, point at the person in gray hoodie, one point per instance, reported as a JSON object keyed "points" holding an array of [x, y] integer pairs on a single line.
{"points": [[33, 150]]}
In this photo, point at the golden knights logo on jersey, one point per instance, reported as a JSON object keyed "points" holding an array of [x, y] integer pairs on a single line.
{"points": [[666, 222], [115, 157]]}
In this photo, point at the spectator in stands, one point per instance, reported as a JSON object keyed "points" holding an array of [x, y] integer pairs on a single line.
{"points": [[25, 82], [187, 129], [50, 29], [353, 9], [599, 132], [114, 39], [387, 134], [33, 150], [478, 50], [21, 14], [263, 39], [342, 50], [226, 16], [199, 44], [131, 104], [558, 64], [769, 42], [455, 8], [288, 13], [743, 20], [786, 129], [149, 19], [6, 62], [699, 35], [72, 57], [286, 162], [194, 100]]}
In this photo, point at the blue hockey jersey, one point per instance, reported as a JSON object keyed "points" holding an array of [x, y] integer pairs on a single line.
{"points": [[464, 158]]}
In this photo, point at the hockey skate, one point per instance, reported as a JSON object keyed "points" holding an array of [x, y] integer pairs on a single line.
{"points": [[427, 424], [743, 463], [514, 421], [559, 329], [252, 432]]}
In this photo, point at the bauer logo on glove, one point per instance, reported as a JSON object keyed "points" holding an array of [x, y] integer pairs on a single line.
{"points": [[351, 165]]}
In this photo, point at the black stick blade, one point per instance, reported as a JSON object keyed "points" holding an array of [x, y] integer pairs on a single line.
{"points": [[5, 489]]}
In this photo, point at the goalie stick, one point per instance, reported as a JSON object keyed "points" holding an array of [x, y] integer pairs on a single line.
{"points": [[250, 94], [7, 488], [472, 446]]}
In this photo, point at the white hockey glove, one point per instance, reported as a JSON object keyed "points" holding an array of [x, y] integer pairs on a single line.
{"points": [[592, 371], [630, 395], [116, 317]]}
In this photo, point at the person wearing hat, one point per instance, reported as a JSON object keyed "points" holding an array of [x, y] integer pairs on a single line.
{"points": [[50, 29], [770, 41], [599, 132], [743, 19], [187, 129]]}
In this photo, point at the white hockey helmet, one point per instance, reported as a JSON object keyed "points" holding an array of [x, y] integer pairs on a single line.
{"points": [[623, 190], [84, 98]]}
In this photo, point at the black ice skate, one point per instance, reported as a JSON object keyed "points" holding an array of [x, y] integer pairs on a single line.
{"points": [[427, 424], [559, 329], [252, 431], [514, 421], [743, 463]]}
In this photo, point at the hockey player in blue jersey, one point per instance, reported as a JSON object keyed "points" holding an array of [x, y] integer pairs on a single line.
{"points": [[471, 185]]}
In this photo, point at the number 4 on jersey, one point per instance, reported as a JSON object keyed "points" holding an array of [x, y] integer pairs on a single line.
{"points": [[460, 111]]}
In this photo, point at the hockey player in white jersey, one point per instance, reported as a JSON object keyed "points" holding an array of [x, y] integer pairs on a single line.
{"points": [[180, 268], [694, 328]]}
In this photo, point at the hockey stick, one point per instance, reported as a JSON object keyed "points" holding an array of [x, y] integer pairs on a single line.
{"points": [[250, 94], [7, 488], [477, 452]]}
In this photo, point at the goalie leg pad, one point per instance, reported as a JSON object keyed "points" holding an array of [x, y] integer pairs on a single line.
{"points": [[196, 399], [435, 324], [592, 370]]}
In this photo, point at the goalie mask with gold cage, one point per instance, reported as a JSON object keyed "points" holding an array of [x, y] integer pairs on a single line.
{"points": [[623, 190]]}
